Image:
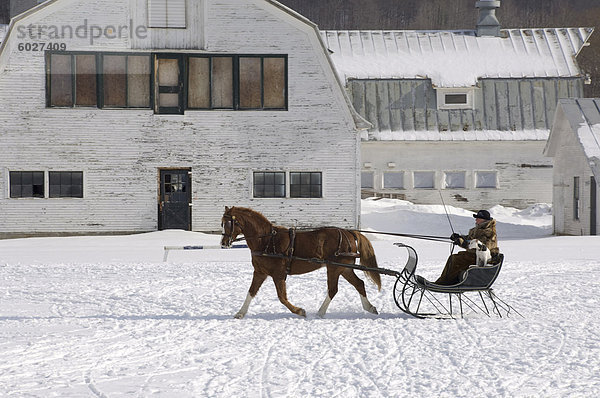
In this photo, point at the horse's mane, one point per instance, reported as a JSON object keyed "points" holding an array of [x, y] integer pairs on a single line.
{"points": [[252, 213]]}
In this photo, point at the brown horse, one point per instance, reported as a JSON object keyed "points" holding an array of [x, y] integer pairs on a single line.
{"points": [[278, 252]]}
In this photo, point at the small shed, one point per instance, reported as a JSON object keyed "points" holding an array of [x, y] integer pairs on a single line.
{"points": [[574, 145]]}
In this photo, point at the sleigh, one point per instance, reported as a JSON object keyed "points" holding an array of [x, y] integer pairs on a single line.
{"points": [[473, 293]]}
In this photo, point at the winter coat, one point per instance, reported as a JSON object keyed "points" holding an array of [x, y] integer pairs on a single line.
{"points": [[484, 232]]}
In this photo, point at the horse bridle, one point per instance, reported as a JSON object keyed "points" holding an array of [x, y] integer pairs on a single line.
{"points": [[229, 226]]}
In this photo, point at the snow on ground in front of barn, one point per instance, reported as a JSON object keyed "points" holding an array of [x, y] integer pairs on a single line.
{"points": [[105, 317]]}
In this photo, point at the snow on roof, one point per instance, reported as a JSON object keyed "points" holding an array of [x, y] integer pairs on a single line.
{"points": [[583, 115], [456, 58], [470, 135]]}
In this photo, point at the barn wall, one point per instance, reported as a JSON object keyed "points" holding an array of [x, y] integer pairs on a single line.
{"points": [[121, 151], [524, 176]]}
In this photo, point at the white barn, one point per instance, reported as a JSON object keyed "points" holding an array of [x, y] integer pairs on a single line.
{"points": [[574, 145], [465, 113], [121, 116]]}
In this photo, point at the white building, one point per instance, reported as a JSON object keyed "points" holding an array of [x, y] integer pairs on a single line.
{"points": [[574, 145], [132, 115], [464, 112]]}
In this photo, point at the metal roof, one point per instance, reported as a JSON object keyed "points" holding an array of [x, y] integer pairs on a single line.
{"points": [[456, 58]]}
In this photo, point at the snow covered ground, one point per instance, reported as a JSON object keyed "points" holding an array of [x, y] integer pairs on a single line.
{"points": [[105, 317]]}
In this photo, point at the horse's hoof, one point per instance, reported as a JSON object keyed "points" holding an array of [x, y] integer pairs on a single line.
{"points": [[239, 315], [301, 312]]}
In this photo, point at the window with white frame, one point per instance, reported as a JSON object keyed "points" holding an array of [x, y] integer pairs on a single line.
{"points": [[455, 98], [455, 179], [367, 179], [166, 13], [424, 179], [393, 180], [486, 179]]}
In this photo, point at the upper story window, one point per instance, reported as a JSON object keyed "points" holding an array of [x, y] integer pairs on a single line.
{"points": [[166, 13], [98, 80], [261, 82], [169, 83], [455, 98]]}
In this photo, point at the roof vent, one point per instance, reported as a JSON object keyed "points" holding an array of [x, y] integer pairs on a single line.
{"points": [[488, 24]]}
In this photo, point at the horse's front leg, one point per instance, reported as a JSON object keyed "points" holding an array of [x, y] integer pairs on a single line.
{"points": [[257, 280], [282, 294]]}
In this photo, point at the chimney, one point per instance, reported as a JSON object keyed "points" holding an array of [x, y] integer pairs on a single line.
{"points": [[488, 24]]}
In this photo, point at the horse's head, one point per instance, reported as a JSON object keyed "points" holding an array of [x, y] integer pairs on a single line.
{"points": [[231, 227]]}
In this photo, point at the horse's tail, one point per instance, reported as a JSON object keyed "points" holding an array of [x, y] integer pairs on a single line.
{"points": [[367, 257]]}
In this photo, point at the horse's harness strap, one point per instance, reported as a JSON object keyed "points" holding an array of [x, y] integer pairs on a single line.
{"points": [[290, 250]]}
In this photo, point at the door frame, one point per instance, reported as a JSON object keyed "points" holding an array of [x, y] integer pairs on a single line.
{"points": [[160, 203], [169, 89]]}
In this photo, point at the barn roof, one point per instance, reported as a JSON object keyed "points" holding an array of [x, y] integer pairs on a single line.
{"points": [[583, 116], [456, 58]]}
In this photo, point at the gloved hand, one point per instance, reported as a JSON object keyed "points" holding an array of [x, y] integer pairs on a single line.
{"points": [[454, 237]]}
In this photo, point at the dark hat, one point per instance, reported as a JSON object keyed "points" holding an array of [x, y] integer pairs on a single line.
{"points": [[484, 214]]}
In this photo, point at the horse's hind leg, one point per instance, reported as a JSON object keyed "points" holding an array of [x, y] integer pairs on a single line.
{"points": [[359, 285], [282, 294], [257, 281], [333, 276]]}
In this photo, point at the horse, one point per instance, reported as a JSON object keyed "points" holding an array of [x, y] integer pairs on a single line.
{"points": [[278, 251]]}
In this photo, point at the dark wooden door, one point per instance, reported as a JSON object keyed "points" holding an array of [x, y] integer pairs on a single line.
{"points": [[168, 75], [174, 208]]}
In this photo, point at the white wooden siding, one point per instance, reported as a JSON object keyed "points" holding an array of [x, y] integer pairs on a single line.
{"points": [[121, 151], [524, 175]]}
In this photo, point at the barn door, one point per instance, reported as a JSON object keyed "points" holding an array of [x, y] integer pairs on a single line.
{"points": [[168, 75], [174, 207], [593, 207]]}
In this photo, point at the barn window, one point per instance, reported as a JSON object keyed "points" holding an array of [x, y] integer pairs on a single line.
{"points": [[76, 80], [367, 179], [455, 98], [305, 185], [393, 180], [269, 184], [72, 80], [26, 184], [455, 179], [66, 184], [261, 82], [166, 13], [486, 179], [424, 179], [126, 81]]}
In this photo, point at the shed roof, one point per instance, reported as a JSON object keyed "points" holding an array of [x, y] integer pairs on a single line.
{"points": [[456, 58], [583, 116]]}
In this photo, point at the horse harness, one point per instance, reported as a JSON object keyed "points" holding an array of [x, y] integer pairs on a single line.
{"points": [[288, 254]]}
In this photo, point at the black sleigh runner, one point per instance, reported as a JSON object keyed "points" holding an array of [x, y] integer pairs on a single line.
{"points": [[279, 252]]}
